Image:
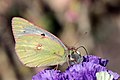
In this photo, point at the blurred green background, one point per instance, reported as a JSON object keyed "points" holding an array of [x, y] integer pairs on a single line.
{"points": [[92, 23]]}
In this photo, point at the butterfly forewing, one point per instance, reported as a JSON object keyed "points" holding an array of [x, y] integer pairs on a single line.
{"points": [[22, 27], [36, 47]]}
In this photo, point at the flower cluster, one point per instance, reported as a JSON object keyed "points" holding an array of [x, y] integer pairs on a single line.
{"points": [[83, 71]]}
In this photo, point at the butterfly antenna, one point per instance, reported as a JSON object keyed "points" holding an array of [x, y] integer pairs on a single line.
{"points": [[83, 48], [80, 38]]}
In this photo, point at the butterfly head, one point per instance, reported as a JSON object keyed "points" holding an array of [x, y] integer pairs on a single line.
{"points": [[74, 56]]}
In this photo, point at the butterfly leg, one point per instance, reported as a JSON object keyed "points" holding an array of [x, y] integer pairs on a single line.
{"points": [[56, 67]]}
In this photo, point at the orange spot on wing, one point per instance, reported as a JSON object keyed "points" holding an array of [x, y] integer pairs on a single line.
{"points": [[39, 47]]}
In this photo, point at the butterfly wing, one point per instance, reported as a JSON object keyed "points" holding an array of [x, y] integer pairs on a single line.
{"points": [[36, 47]]}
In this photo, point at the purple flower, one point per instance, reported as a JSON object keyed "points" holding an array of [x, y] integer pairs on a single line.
{"points": [[115, 75], [49, 75], [83, 71], [95, 59]]}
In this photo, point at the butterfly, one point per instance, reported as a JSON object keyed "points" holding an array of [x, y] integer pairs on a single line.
{"points": [[37, 47]]}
